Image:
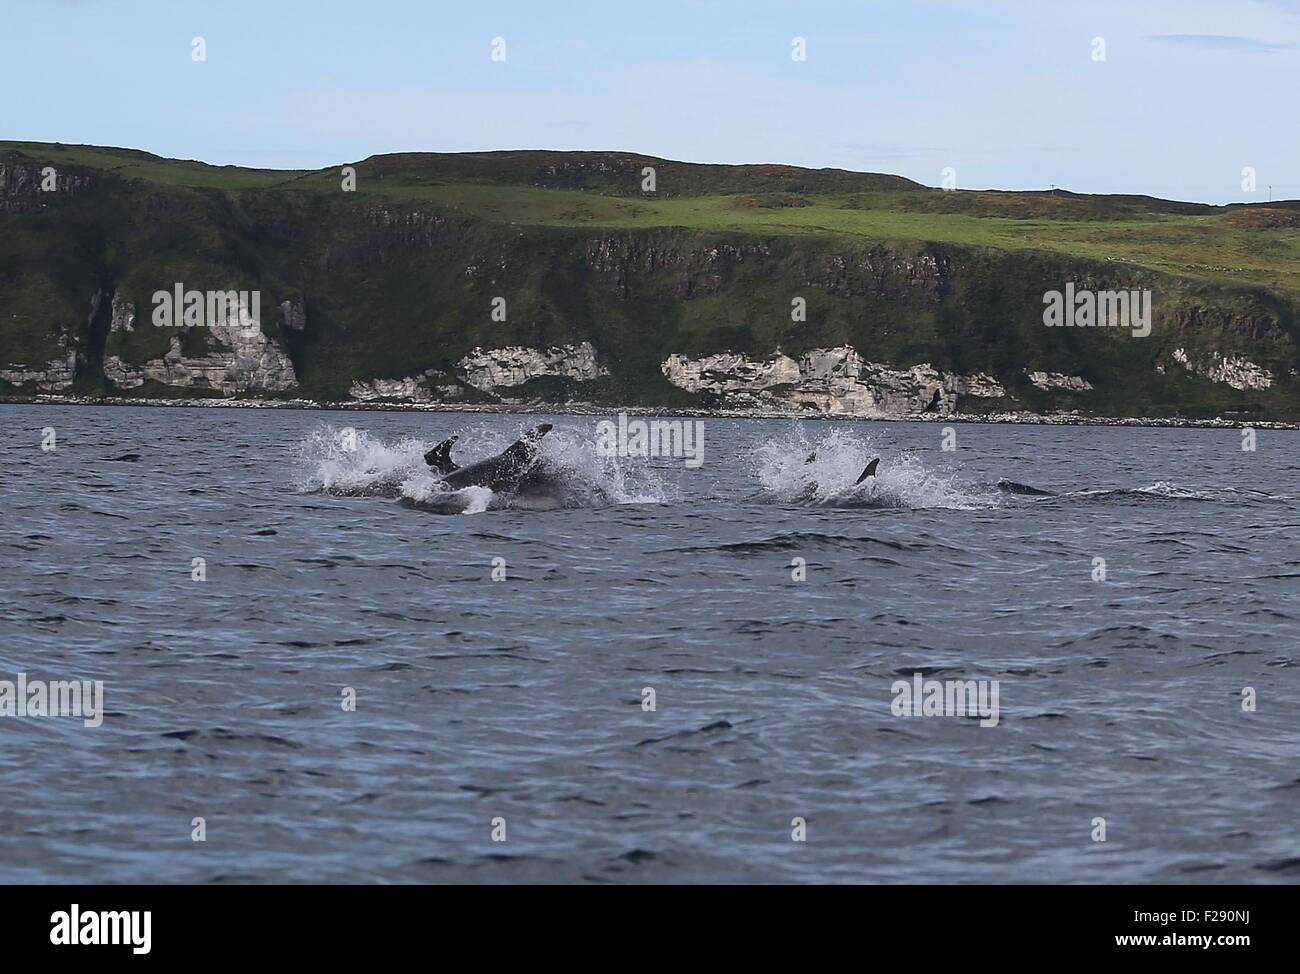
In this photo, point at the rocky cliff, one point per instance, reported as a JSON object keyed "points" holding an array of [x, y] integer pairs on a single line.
{"points": [[416, 294], [242, 358], [833, 381]]}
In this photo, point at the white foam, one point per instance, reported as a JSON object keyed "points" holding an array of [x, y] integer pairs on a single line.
{"points": [[477, 499], [356, 463], [839, 457], [397, 469]]}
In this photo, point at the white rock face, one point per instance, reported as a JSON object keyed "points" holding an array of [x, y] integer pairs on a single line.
{"points": [[979, 384], [1056, 380], [123, 315], [121, 374], [410, 389], [513, 366], [57, 373], [1240, 373], [251, 363], [835, 381], [729, 372]]}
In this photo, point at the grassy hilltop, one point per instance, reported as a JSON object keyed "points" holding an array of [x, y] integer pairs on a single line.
{"points": [[397, 277]]}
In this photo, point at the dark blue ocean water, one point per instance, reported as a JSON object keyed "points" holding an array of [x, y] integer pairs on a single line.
{"points": [[522, 699]]}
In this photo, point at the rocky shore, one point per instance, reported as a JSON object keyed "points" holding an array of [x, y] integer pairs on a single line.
{"points": [[593, 409]]}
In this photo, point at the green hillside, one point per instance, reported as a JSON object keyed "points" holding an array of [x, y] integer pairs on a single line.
{"points": [[398, 277]]}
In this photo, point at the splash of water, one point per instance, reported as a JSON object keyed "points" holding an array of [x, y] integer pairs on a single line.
{"points": [[573, 474], [353, 463], [829, 478]]}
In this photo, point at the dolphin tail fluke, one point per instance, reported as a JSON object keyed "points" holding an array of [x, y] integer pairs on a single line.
{"points": [[870, 471], [440, 456]]}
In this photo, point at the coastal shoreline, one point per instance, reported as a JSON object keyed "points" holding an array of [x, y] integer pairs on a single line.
{"points": [[593, 409]]}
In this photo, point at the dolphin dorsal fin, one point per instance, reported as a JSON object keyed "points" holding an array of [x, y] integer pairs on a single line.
{"points": [[870, 471]]}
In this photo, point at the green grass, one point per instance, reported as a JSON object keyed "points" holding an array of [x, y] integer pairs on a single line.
{"points": [[903, 273], [131, 163], [1205, 247], [1187, 239]]}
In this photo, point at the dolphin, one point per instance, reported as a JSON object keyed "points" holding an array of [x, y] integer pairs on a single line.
{"points": [[1011, 487], [507, 471], [868, 471], [519, 478]]}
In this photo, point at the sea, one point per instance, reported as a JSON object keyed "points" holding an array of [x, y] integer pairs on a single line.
{"points": [[1017, 654]]}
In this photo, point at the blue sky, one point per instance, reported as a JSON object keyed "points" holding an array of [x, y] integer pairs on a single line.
{"points": [[1004, 91]]}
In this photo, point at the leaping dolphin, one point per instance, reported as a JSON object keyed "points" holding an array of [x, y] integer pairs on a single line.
{"points": [[504, 472]]}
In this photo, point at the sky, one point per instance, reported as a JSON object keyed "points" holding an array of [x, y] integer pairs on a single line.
{"points": [[1009, 94]]}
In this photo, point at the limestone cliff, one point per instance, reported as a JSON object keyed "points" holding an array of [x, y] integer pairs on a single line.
{"points": [[1232, 370], [832, 381], [495, 368], [527, 277], [52, 376], [246, 361], [1047, 381]]}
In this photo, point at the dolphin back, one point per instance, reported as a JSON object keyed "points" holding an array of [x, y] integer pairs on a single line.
{"points": [[505, 470]]}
